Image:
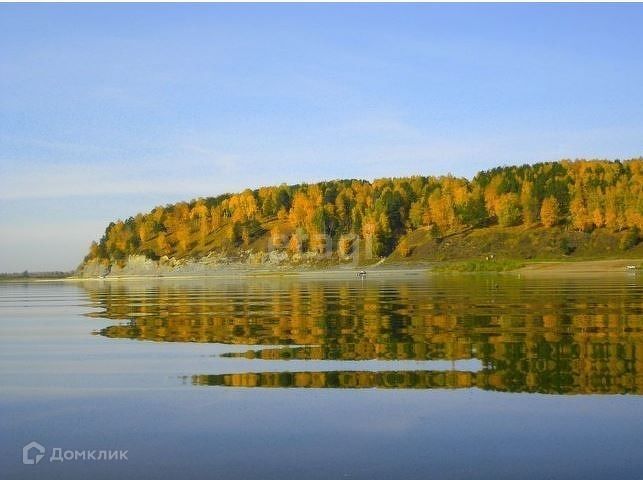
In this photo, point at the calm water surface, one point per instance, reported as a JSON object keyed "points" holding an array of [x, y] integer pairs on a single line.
{"points": [[390, 377]]}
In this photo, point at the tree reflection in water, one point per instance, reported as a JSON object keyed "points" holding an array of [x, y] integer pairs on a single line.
{"points": [[565, 336]]}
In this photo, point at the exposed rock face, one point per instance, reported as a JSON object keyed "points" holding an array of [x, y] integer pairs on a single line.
{"points": [[139, 265], [93, 268]]}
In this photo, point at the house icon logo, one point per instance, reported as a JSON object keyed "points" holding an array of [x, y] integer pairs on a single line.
{"points": [[32, 453]]}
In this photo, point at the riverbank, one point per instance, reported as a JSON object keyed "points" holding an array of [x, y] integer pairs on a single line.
{"points": [[583, 267], [533, 268]]}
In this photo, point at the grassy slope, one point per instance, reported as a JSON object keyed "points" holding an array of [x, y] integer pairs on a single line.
{"points": [[515, 243]]}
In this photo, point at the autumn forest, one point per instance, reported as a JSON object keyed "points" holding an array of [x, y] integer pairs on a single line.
{"points": [[575, 196]]}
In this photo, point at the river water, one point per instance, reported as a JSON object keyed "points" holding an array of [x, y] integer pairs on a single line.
{"points": [[393, 376]]}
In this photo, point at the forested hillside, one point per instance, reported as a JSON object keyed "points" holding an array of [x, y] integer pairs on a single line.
{"points": [[581, 196]]}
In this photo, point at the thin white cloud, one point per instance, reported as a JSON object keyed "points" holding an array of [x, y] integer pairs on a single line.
{"points": [[368, 147], [196, 170]]}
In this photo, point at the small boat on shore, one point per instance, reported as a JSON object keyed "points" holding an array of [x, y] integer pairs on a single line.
{"points": [[361, 274]]}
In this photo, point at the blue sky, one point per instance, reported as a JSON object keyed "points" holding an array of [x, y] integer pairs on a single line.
{"points": [[108, 110]]}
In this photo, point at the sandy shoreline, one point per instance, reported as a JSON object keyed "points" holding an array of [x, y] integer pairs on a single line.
{"points": [[584, 267], [249, 274], [558, 268]]}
